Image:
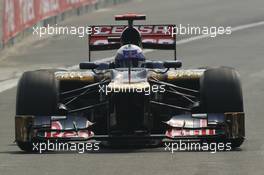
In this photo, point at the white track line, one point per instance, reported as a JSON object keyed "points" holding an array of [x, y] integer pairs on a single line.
{"points": [[234, 29], [8, 84]]}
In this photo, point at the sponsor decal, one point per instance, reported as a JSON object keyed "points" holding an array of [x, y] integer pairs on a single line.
{"points": [[175, 132], [56, 125], [157, 34], [143, 29], [21, 14], [187, 123]]}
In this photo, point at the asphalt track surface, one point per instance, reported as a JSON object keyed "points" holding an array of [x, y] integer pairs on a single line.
{"points": [[243, 49]]}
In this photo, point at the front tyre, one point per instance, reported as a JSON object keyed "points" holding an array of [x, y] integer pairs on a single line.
{"points": [[37, 94], [221, 92]]}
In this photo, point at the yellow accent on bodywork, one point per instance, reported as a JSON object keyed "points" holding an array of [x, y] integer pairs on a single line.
{"points": [[75, 76], [184, 74], [22, 124]]}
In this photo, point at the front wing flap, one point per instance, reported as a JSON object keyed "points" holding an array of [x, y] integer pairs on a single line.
{"points": [[77, 128]]}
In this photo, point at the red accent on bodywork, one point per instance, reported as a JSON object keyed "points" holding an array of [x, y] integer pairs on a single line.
{"points": [[67, 134]]}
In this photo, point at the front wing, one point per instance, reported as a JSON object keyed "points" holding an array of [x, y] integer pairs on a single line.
{"points": [[77, 128]]}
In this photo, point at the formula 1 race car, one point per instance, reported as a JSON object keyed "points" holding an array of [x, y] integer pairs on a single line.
{"points": [[130, 100]]}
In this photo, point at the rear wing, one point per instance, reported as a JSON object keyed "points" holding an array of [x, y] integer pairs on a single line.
{"points": [[107, 37]]}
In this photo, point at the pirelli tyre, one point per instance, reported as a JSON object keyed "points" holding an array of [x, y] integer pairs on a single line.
{"points": [[221, 92], [37, 94]]}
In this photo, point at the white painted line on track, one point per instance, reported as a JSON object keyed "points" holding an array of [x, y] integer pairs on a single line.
{"points": [[11, 83], [234, 29], [8, 84]]}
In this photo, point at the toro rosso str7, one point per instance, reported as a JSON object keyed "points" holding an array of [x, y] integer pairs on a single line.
{"points": [[130, 100]]}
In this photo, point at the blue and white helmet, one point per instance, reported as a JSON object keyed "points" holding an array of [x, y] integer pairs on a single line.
{"points": [[129, 55]]}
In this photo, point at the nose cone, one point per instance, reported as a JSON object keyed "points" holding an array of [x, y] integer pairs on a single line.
{"points": [[137, 83]]}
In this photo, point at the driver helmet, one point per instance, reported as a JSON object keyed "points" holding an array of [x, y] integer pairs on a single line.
{"points": [[129, 56]]}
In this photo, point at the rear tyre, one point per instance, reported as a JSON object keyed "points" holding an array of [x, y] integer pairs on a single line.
{"points": [[221, 92], [37, 94]]}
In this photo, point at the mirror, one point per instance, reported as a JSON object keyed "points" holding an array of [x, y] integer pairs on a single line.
{"points": [[88, 65], [172, 64]]}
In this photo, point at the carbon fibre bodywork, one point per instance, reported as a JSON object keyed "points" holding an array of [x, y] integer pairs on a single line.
{"points": [[154, 100], [117, 112]]}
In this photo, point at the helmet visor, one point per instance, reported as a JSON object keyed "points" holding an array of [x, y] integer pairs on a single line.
{"points": [[126, 61]]}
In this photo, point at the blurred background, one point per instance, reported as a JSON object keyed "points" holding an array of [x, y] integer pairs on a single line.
{"points": [[243, 49]]}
